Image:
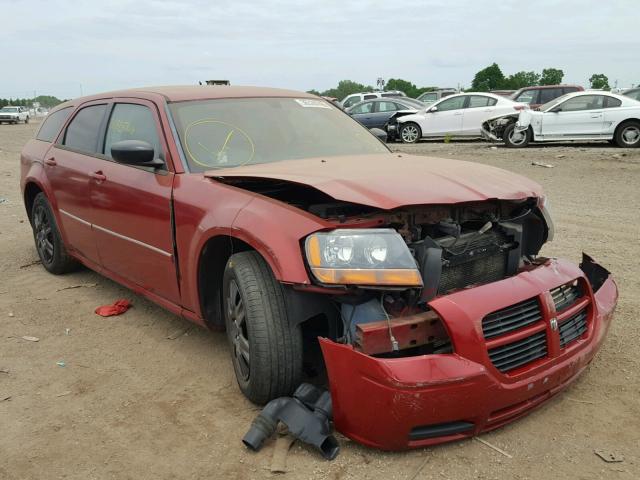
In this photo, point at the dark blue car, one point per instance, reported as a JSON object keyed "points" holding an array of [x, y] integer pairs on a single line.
{"points": [[377, 112]]}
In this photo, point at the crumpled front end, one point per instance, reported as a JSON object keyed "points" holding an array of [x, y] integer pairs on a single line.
{"points": [[514, 344]]}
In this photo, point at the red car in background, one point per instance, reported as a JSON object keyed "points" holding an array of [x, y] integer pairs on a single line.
{"points": [[541, 94], [274, 215]]}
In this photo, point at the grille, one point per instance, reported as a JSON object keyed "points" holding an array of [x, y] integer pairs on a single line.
{"points": [[566, 295], [475, 259], [513, 355], [511, 318], [573, 328]]}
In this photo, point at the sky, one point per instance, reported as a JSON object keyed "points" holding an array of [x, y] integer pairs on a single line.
{"points": [[69, 48]]}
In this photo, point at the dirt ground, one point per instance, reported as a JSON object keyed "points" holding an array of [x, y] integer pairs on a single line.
{"points": [[129, 403]]}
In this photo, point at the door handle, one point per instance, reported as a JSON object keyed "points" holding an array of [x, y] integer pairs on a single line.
{"points": [[99, 176], [460, 113], [51, 162], [596, 116]]}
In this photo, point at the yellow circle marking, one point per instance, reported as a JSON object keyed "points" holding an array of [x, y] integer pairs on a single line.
{"points": [[233, 129]]}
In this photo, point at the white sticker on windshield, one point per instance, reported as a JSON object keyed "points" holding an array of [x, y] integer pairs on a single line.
{"points": [[312, 103]]}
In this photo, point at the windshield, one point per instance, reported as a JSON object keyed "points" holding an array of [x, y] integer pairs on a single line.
{"points": [[553, 103], [9, 109], [234, 132]]}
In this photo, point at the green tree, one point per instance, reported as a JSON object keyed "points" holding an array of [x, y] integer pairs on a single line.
{"points": [[490, 78], [599, 80], [551, 76], [48, 101], [346, 87], [522, 79], [404, 86]]}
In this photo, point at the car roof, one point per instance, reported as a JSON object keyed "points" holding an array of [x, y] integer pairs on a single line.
{"points": [[545, 87], [594, 92], [198, 92], [486, 94]]}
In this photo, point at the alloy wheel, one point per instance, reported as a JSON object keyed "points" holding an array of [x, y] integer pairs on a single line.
{"points": [[631, 135], [44, 234], [410, 133], [517, 138], [238, 333]]}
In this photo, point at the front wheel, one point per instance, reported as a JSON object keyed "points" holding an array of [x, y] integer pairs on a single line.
{"points": [[628, 135], [266, 349], [515, 139], [410, 133]]}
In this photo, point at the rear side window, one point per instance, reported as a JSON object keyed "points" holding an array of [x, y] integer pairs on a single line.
{"points": [[52, 124], [611, 102], [83, 131], [476, 101], [387, 107], [131, 122]]}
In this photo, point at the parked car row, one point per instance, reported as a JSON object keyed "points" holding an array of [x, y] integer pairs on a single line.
{"points": [[377, 113], [574, 116], [354, 98]]}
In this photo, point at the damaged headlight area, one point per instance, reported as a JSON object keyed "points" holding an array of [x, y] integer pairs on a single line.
{"points": [[363, 257]]}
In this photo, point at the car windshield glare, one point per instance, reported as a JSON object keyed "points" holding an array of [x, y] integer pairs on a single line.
{"points": [[553, 103], [234, 132]]}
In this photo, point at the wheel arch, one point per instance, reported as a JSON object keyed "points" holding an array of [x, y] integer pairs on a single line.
{"points": [[626, 120]]}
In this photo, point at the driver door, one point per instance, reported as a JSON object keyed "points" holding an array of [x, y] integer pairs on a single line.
{"points": [[581, 116], [447, 119], [132, 204]]}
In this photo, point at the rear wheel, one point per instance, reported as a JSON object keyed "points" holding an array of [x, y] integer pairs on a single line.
{"points": [[628, 135], [410, 133], [266, 350], [515, 139], [51, 249]]}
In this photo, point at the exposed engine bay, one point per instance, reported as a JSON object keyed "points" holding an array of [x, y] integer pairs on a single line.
{"points": [[454, 247]]}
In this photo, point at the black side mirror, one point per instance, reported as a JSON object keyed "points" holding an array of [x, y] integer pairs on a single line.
{"points": [[135, 152], [380, 134]]}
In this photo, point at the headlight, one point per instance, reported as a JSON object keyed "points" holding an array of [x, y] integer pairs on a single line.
{"points": [[377, 256]]}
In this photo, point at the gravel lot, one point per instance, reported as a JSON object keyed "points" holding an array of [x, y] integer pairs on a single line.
{"points": [[131, 403]]}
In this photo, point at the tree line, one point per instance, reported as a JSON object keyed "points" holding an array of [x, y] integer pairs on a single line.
{"points": [[487, 79], [46, 101]]}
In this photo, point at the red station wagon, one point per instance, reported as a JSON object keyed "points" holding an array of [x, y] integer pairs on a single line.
{"points": [[274, 215]]}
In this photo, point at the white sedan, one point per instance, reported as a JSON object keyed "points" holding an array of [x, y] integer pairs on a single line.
{"points": [[575, 116], [455, 115]]}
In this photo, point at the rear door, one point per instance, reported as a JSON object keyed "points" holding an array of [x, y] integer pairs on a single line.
{"points": [[132, 204], [479, 108], [364, 113], [68, 166], [576, 117]]}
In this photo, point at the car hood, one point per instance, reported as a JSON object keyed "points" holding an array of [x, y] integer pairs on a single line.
{"points": [[388, 181]]}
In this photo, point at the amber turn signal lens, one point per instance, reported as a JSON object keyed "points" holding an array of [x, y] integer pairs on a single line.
{"points": [[391, 277]]}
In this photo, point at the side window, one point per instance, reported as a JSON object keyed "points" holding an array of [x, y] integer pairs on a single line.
{"points": [[369, 97], [387, 107], [476, 101], [635, 95], [351, 101], [52, 124], [429, 97], [583, 102], [611, 102], [363, 108], [569, 90], [83, 131], [131, 122], [454, 103], [548, 94], [528, 97]]}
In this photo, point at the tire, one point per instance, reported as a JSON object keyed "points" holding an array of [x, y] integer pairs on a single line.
{"points": [[51, 249], [628, 134], [266, 351], [410, 132], [26, 120], [513, 139]]}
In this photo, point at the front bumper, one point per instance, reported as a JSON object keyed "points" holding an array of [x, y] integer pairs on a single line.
{"points": [[411, 402]]}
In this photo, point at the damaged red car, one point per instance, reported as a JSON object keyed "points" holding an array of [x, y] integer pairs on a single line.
{"points": [[275, 216]]}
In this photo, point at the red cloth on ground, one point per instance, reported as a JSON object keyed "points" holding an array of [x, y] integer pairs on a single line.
{"points": [[117, 308]]}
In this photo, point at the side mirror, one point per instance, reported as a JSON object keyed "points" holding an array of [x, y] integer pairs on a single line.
{"points": [[135, 152], [433, 109], [380, 134]]}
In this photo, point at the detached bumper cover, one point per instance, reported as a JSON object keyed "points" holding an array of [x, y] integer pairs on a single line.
{"points": [[412, 402]]}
